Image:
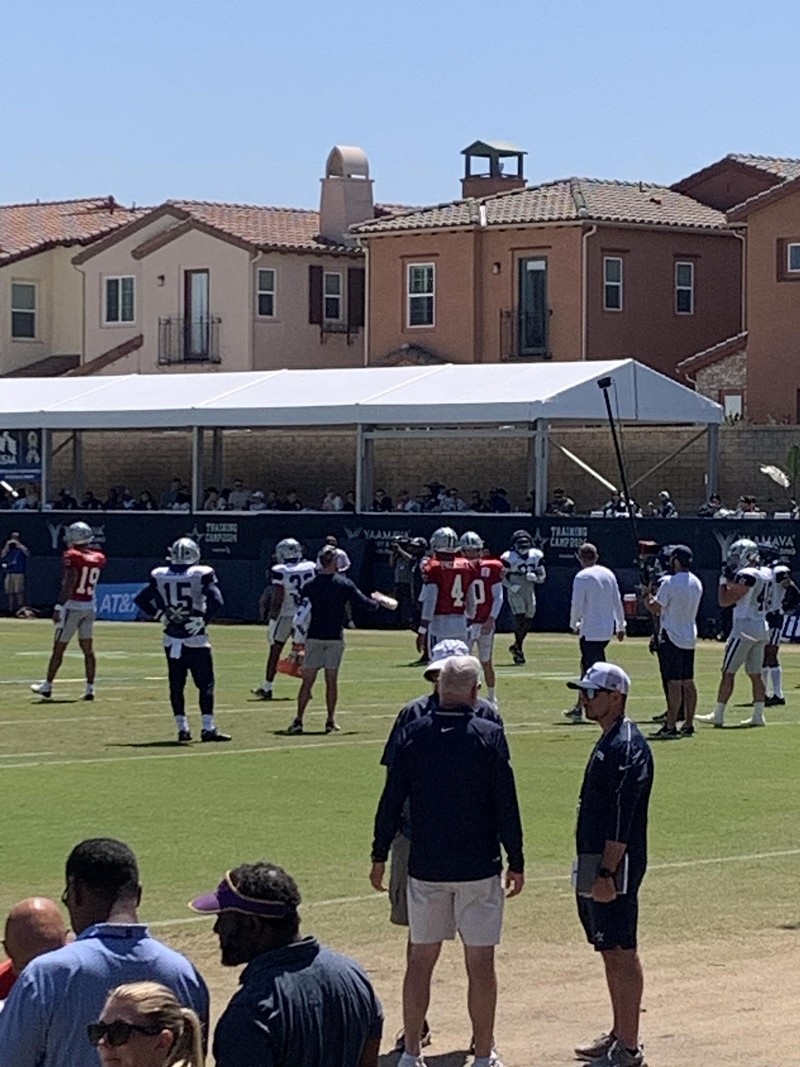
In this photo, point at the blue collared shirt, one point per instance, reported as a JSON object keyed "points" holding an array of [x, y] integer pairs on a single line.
{"points": [[43, 1023]]}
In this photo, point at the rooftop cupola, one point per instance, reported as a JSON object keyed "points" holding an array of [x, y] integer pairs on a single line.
{"points": [[492, 167], [346, 196]]}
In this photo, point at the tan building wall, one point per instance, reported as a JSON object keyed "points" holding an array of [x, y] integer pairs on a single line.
{"points": [[773, 313], [58, 312], [310, 462]]}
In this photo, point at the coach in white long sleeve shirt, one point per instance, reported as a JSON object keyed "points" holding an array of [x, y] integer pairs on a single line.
{"points": [[596, 613]]}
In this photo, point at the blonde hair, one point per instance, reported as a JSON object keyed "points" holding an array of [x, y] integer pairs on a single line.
{"points": [[156, 1004]]}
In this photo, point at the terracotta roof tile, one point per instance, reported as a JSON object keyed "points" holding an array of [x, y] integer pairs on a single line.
{"points": [[721, 350], [779, 166], [26, 229], [569, 200], [263, 227]]}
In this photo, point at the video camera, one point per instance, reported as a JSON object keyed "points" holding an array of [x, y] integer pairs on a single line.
{"points": [[653, 563]]}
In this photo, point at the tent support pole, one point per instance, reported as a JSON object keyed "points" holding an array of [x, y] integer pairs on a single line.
{"points": [[712, 459], [365, 468], [197, 468], [541, 445], [47, 467], [77, 464], [217, 463]]}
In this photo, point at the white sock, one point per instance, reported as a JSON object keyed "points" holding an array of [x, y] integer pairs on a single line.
{"points": [[181, 722], [777, 680], [47, 686], [208, 722], [90, 687], [491, 693], [765, 677], [758, 711], [267, 687]]}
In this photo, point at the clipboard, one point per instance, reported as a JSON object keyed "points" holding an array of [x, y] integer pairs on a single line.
{"points": [[586, 868]]}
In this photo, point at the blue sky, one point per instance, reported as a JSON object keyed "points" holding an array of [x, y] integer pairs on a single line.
{"points": [[241, 101]]}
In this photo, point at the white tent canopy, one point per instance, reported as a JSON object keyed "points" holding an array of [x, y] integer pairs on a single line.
{"points": [[377, 401]]}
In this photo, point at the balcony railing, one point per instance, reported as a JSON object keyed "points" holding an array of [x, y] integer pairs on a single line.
{"points": [[524, 334], [334, 327], [183, 340]]}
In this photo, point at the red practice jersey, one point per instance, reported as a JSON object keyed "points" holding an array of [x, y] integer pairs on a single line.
{"points": [[87, 563], [481, 593], [452, 579]]}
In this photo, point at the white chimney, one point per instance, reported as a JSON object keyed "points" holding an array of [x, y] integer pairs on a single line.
{"points": [[346, 196]]}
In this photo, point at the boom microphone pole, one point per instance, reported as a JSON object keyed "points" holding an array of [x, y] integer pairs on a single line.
{"points": [[605, 384]]}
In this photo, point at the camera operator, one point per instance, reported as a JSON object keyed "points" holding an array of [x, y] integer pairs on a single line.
{"points": [[402, 562], [14, 562]]}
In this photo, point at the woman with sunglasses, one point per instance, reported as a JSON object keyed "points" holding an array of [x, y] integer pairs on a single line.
{"points": [[143, 1025]]}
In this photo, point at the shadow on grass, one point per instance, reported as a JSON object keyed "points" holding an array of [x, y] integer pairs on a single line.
{"points": [[317, 733], [275, 700], [59, 700], [147, 744], [446, 1059]]}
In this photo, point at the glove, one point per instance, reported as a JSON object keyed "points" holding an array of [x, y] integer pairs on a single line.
{"points": [[195, 625], [652, 645], [298, 653], [272, 626], [530, 576]]}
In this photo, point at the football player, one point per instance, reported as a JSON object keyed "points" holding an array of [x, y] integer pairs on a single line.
{"points": [[484, 602], [522, 569], [184, 595], [747, 586], [288, 577], [77, 606], [784, 600], [447, 578]]}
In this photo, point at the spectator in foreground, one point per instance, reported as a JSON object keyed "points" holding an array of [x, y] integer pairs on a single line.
{"points": [[44, 1020], [298, 1002], [34, 926], [454, 770], [147, 1020]]}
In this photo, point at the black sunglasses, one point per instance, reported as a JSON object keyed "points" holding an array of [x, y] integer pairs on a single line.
{"points": [[118, 1033], [590, 692]]}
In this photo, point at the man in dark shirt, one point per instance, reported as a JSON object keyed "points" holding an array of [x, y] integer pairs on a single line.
{"points": [[454, 770], [320, 620], [300, 1004], [611, 841]]}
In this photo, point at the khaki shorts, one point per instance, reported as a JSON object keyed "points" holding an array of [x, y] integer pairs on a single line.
{"points": [[327, 654], [14, 583], [523, 600], [75, 621], [436, 910], [398, 880], [743, 652]]}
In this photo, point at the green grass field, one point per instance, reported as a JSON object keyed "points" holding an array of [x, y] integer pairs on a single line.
{"points": [[723, 815]]}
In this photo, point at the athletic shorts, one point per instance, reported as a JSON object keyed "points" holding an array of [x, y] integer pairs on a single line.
{"points": [[75, 621], [677, 664], [591, 652], [521, 598], [14, 583], [485, 642], [398, 880], [743, 652], [446, 628], [610, 925], [775, 635], [436, 910], [283, 629], [327, 654]]}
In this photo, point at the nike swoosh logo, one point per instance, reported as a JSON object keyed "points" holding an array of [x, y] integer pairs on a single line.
{"points": [[447, 729]]}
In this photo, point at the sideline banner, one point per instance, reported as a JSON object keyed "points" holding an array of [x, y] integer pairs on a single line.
{"points": [[115, 602]]}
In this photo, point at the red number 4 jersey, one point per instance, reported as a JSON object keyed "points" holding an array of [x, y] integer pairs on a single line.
{"points": [[86, 563], [452, 579]]}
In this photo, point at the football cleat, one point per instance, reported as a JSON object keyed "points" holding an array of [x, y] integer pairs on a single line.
{"points": [[332, 727], [295, 727], [288, 551], [43, 689], [262, 693], [184, 552], [88, 695], [79, 533], [214, 735], [184, 737]]}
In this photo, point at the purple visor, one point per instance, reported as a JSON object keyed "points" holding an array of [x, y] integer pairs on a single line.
{"points": [[227, 898]]}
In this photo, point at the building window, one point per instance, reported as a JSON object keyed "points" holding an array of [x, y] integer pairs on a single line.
{"points": [[23, 311], [120, 303], [421, 282], [684, 288], [265, 296], [332, 292], [793, 258], [612, 283], [732, 405]]}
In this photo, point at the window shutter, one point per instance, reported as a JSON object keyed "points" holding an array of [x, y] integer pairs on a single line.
{"points": [[355, 296], [315, 295]]}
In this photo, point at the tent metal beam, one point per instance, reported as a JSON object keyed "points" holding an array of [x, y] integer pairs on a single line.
{"points": [[197, 468], [712, 459], [541, 443]]}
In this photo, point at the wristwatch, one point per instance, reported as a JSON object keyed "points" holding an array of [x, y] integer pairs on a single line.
{"points": [[604, 872]]}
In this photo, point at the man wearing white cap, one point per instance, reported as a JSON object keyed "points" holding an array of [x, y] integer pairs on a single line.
{"points": [[611, 841], [401, 845]]}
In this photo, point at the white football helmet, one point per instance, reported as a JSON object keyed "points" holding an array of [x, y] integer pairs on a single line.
{"points": [[471, 542], [743, 553], [184, 552], [445, 539], [79, 533], [288, 551]]}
